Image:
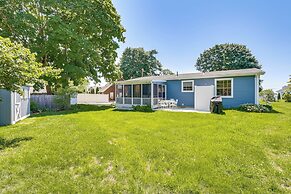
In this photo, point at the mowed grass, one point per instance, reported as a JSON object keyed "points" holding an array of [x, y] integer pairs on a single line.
{"points": [[100, 150]]}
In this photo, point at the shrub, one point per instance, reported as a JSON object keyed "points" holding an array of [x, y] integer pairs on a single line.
{"points": [[144, 108], [34, 107], [63, 97], [268, 95], [256, 108], [62, 102], [287, 96]]}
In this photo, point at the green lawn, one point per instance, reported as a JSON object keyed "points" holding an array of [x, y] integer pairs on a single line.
{"points": [[102, 150]]}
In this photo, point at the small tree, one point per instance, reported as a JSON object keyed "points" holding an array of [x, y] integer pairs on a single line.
{"points": [[226, 57], [18, 66], [287, 96], [268, 95], [279, 96], [287, 93]]}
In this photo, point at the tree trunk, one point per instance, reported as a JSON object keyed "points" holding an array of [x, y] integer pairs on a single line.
{"points": [[48, 89]]}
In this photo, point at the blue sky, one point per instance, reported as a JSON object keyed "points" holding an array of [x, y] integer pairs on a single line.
{"points": [[181, 29]]}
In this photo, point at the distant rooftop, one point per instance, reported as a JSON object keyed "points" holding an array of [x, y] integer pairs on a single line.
{"points": [[185, 76]]}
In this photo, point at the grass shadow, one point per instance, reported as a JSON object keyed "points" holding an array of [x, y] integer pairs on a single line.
{"points": [[120, 110], [4, 143], [74, 109], [222, 113]]}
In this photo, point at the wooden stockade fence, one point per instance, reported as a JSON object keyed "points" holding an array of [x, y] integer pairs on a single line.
{"points": [[44, 100]]}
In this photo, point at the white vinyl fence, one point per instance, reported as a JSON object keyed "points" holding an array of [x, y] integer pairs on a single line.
{"points": [[92, 98]]}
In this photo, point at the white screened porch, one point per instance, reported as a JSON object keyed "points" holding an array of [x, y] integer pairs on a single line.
{"points": [[143, 93]]}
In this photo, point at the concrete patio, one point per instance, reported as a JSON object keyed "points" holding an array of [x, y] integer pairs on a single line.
{"points": [[181, 109]]}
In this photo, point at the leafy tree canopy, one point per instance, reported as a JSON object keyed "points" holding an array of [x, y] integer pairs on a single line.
{"points": [[18, 66], [226, 57], [167, 72], [267, 95], [78, 36], [136, 62]]}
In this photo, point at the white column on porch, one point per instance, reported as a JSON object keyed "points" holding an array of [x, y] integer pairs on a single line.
{"points": [[141, 91], [152, 95], [115, 92], [165, 92]]}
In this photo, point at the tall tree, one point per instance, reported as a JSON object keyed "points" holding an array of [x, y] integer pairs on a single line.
{"points": [[18, 66], [226, 57], [78, 36], [136, 62]]}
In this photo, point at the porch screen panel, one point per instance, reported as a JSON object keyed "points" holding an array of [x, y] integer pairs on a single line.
{"points": [[146, 101], [137, 94], [137, 91], [155, 91], [127, 94], [119, 91], [119, 94], [127, 91], [146, 90], [161, 91]]}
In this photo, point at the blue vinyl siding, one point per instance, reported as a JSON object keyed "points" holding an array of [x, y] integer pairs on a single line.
{"points": [[243, 91], [204, 82], [174, 91]]}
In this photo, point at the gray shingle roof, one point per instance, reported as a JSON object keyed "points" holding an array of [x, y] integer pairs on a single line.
{"points": [[185, 76]]}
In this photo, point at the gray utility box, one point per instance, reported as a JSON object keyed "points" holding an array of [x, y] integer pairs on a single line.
{"points": [[13, 106]]}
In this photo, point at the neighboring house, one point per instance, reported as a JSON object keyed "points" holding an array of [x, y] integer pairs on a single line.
{"points": [[194, 90], [13, 106], [109, 89]]}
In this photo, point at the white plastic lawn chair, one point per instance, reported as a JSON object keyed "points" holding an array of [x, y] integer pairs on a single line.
{"points": [[163, 104], [173, 103]]}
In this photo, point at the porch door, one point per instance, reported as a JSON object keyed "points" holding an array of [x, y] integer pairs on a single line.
{"points": [[203, 95]]}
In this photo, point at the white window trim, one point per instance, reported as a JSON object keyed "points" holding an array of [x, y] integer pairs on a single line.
{"points": [[223, 79], [182, 88]]}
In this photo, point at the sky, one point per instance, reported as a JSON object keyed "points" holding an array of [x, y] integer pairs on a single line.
{"points": [[182, 29]]}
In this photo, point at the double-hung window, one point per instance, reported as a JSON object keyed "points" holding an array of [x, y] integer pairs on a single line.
{"points": [[187, 86], [224, 87]]}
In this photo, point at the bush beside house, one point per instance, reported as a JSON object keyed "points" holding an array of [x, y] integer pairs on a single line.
{"points": [[261, 108]]}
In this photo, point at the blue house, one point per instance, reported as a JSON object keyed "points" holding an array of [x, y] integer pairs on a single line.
{"points": [[193, 90]]}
